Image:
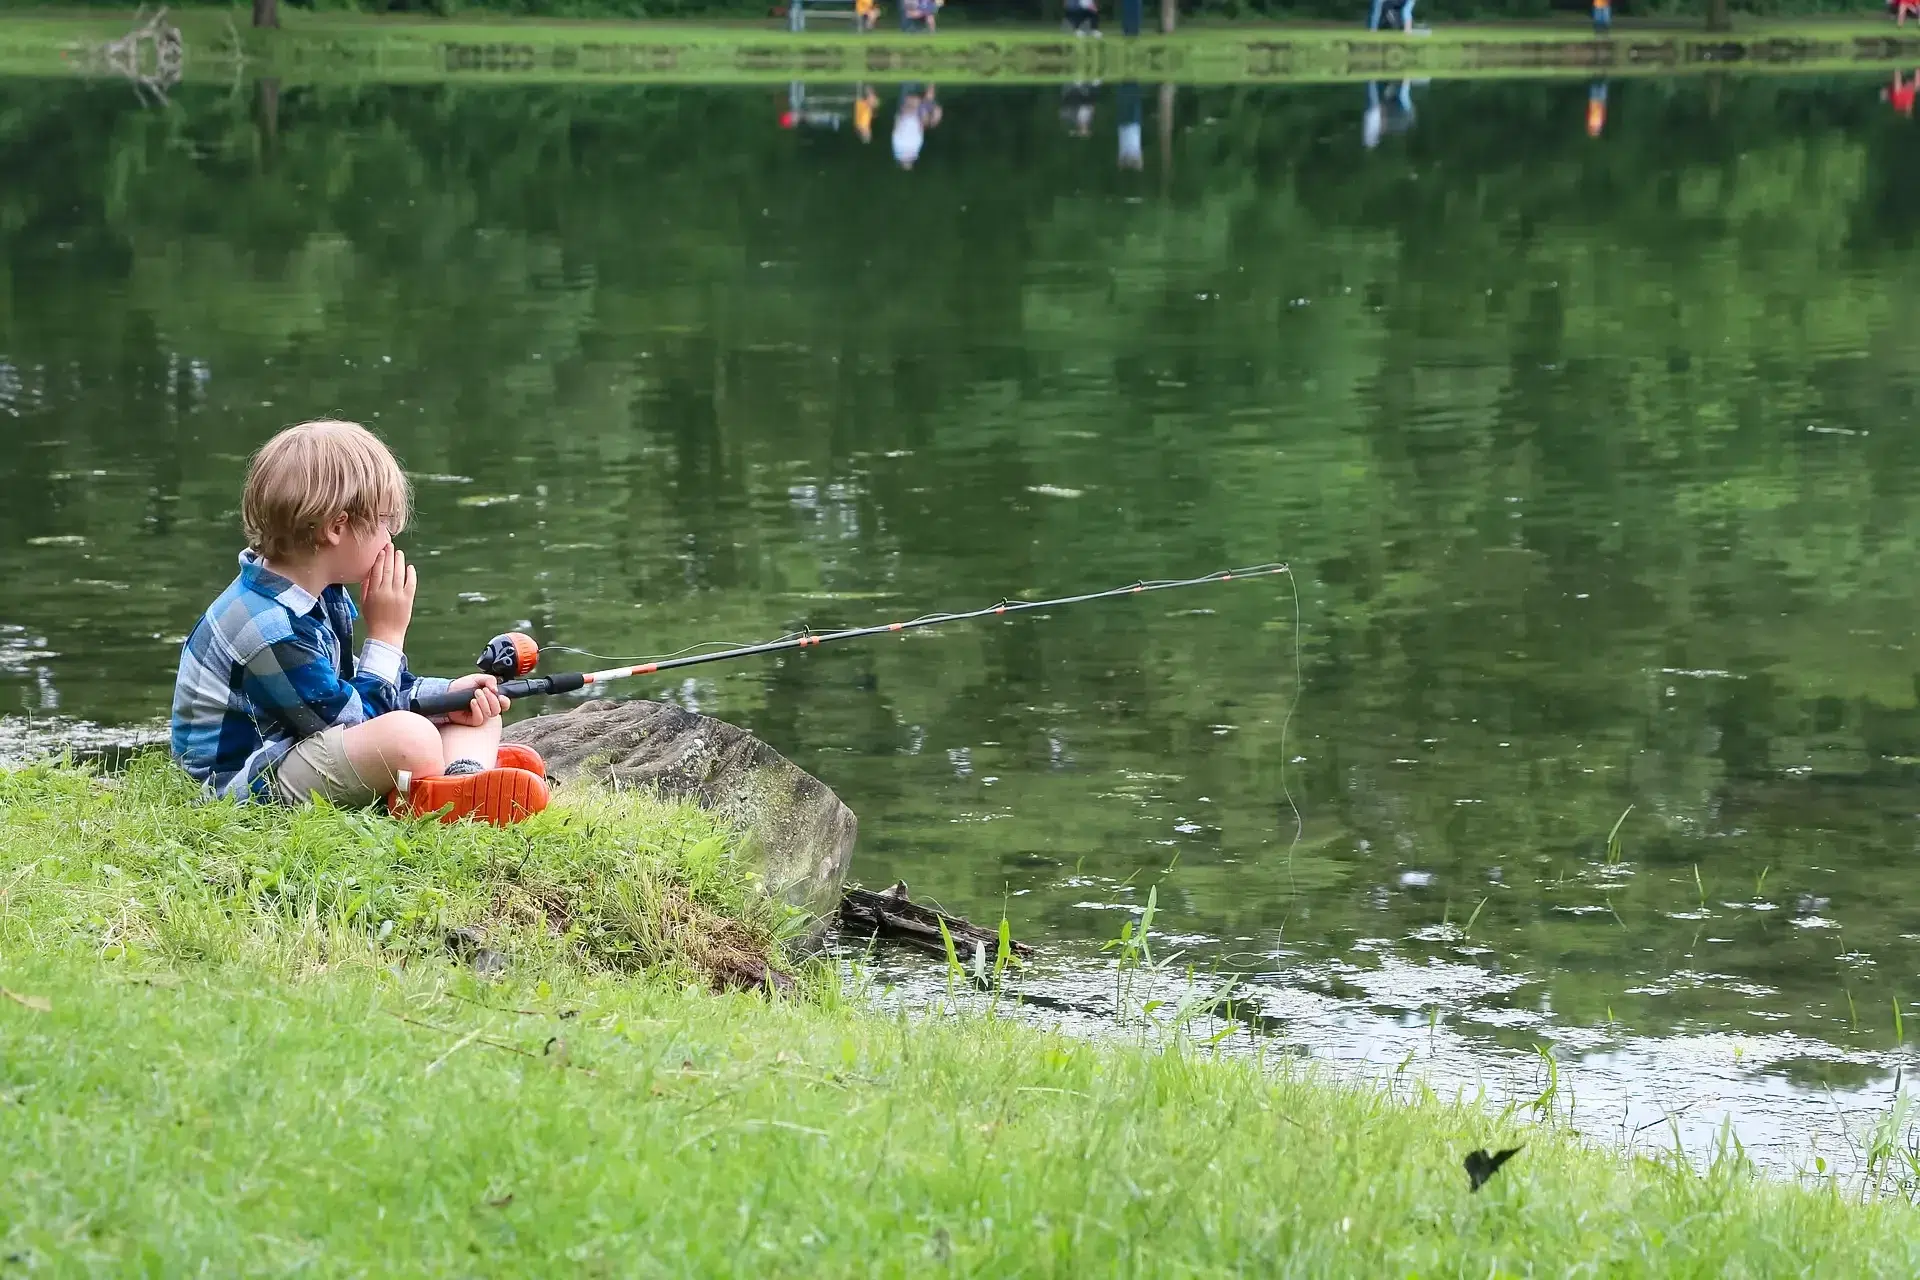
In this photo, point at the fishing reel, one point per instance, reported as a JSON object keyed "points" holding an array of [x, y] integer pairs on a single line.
{"points": [[508, 658], [510, 654]]}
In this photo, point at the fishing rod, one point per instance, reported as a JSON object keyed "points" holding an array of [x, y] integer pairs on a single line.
{"points": [[511, 657]]}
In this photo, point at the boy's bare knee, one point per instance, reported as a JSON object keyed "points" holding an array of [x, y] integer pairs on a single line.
{"points": [[397, 740], [414, 734]]}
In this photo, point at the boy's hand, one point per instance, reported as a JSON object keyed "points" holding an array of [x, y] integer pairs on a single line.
{"points": [[386, 597], [486, 704]]}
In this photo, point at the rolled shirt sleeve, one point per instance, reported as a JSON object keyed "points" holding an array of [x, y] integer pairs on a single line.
{"points": [[381, 678], [384, 682], [426, 687], [383, 661]]}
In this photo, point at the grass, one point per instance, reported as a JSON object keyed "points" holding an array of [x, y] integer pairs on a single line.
{"points": [[407, 48], [135, 868], [212, 1060]]}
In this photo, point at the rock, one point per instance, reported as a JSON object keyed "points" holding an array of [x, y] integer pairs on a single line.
{"points": [[802, 831], [469, 944]]}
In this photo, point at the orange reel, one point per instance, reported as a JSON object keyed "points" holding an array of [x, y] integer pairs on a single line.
{"points": [[510, 654]]}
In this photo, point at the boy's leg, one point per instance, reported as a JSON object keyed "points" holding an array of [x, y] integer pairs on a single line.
{"points": [[355, 766], [380, 748], [464, 742], [477, 782]]}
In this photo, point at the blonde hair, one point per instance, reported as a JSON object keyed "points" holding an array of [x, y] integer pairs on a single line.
{"points": [[307, 475]]}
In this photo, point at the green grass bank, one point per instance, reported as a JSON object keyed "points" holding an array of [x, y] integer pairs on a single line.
{"points": [[233, 1041], [332, 46]]}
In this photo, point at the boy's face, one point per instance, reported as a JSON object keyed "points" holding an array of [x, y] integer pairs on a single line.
{"points": [[367, 545], [354, 549]]}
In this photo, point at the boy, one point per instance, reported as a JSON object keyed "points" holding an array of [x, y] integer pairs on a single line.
{"points": [[270, 703]]}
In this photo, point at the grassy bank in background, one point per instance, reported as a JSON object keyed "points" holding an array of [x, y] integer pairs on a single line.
{"points": [[1678, 11], [408, 48], [234, 1040]]}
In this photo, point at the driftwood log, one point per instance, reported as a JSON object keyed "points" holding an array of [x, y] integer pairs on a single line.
{"points": [[892, 914]]}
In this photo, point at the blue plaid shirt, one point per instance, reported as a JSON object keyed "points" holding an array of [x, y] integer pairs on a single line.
{"points": [[270, 664]]}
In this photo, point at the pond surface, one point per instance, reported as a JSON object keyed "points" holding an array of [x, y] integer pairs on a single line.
{"points": [[1595, 458]]}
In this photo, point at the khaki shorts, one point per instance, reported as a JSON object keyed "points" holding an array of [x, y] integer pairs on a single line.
{"points": [[318, 766]]}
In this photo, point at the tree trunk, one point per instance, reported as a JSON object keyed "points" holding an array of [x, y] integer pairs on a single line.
{"points": [[1718, 19], [266, 13], [269, 102], [1166, 138], [1169, 13]]}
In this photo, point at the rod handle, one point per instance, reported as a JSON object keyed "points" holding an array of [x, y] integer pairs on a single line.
{"points": [[439, 704]]}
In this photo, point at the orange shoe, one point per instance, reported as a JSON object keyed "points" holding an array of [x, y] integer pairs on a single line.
{"points": [[499, 796], [514, 756]]}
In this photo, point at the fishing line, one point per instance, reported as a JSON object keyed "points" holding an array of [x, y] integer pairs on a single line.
{"points": [[1299, 823], [661, 657], [1005, 603], [934, 619], [1299, 820], [515, 654]]}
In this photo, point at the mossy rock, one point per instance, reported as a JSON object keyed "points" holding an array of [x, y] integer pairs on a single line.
{"points": [[797, 826]]}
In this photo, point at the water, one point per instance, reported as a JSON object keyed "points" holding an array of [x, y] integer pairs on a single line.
{"points": [[1595, 458]]}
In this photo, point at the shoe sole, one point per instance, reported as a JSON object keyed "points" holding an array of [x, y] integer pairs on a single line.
{"points": [[514, 756], [499, 796]]}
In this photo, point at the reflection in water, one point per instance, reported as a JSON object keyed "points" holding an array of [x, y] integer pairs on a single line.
{"points": [[918, 112], [814, 108], [1127, 107], [1901, 93], [1389, 110], [1594, 461], [1076, 107]]}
